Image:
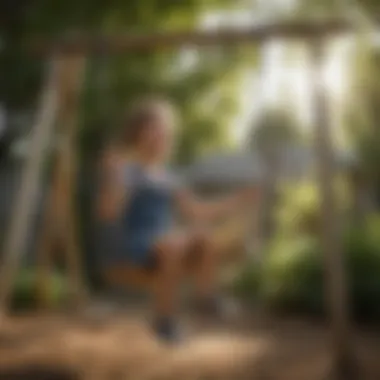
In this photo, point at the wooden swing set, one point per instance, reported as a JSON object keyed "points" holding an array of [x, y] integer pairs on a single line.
{"points": [[59, 108]]}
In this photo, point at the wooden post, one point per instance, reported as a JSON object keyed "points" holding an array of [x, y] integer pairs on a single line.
{"points": [[43, 255], [25, 201], [61, 215], [336, 289], [71, 91], [291, 29]]}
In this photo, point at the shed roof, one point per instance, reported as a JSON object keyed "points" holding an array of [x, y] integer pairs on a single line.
{"points": [[248, 167]]}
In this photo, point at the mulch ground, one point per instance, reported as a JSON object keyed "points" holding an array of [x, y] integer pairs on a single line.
{"points": [[120, 346]]}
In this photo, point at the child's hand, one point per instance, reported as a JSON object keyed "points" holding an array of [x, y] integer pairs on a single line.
{"points": [[248, 195]]}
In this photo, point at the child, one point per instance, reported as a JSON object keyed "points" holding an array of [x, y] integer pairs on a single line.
{"points": [[142, 197]]}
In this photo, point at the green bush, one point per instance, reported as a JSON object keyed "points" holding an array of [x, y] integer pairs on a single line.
{"points": [[298, 211], [24, 292], [247, 284], [362, 248], [292, 275]]}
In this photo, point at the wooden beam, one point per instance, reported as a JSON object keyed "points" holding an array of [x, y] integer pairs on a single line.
{"points": [[118, 44]]}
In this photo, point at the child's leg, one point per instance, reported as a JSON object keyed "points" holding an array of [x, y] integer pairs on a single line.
{"points": [[207, 260], [206, 264], [170, 254]]}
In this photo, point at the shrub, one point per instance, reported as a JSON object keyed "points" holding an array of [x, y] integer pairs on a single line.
{"points": [[247, 284], [362, 247], [298, 211], [24, 292], [292, 275]]}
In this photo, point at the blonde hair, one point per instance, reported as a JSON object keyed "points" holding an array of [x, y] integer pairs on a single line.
{"points": [[141, 114]]}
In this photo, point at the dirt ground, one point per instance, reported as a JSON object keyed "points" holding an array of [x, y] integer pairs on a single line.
{"points": [[120, 346]]}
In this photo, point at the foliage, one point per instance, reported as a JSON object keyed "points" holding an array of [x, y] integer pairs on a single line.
{"points": [[248, 283], [363, 251], [24, 294], [292, 275], [274, 129], [209, 83], [273, 134], [368, 9], [362, 114], [321, 8], [298, 212], [299, 208]]}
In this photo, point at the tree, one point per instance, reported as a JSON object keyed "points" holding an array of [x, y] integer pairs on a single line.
{"points": [[209, 82], [371, 9], [274, 132], [201, 83], [204, 93], [363, 115]]}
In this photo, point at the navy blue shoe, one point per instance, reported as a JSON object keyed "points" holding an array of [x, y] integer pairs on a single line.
{"points": [[167, 330]]}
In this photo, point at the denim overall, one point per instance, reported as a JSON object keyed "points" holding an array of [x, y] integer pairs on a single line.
{"points": [[147, 215]]}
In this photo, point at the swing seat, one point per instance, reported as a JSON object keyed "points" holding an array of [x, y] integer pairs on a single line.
{"points": [[130, 276], [227, 238]]}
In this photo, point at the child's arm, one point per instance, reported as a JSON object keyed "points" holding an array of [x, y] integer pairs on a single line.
{"points": [[194, 208], [112, 192]]}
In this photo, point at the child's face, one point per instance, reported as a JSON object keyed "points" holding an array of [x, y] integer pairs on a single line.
{"points": [[156, 139]]}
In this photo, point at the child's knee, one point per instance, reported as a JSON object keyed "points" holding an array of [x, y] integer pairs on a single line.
{"points": [[170, 255], [205, 242], [203, 250]]}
